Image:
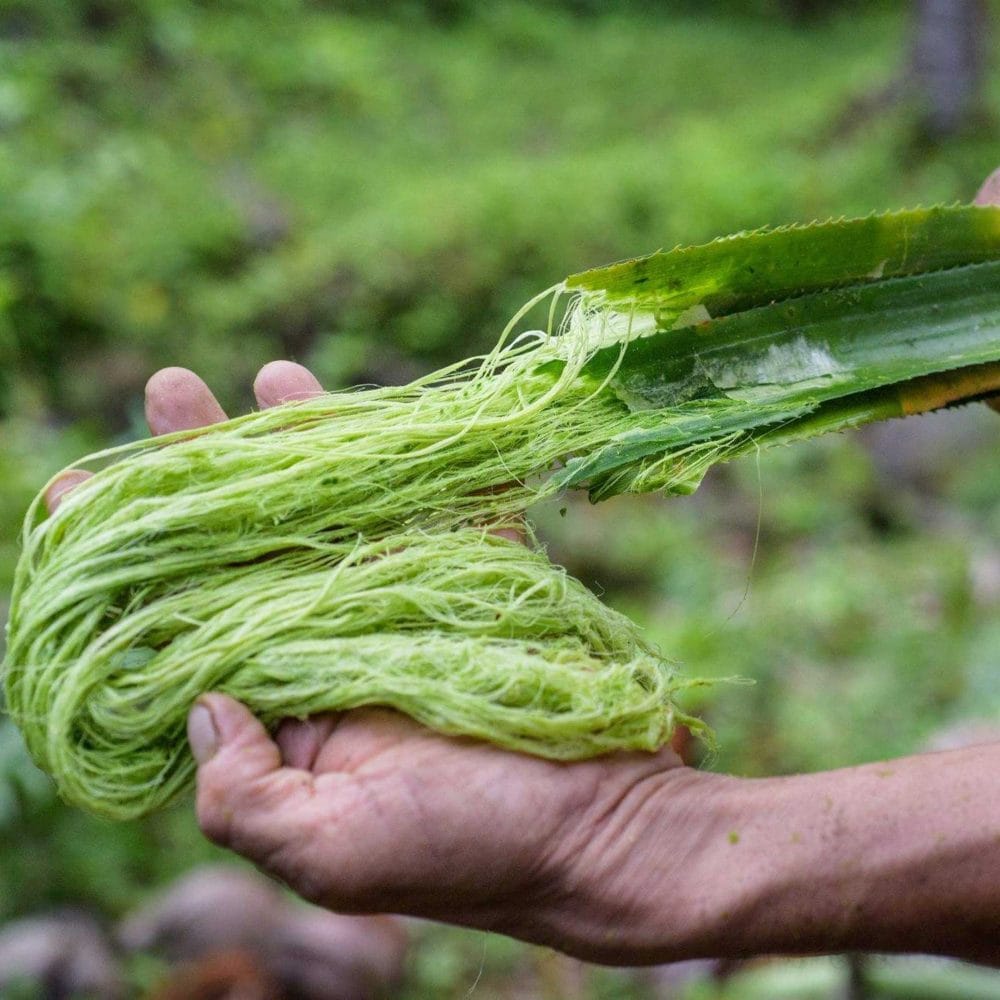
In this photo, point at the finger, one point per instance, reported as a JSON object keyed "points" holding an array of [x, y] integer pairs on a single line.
{"points": [[274, 816], [362, 735], [177, 400], [681, 743], [235, 757], [300, 741], [989, 193], [62, 484], [283, 382], [511, 534]]}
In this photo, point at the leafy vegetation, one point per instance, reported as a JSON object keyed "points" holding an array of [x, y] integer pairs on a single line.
{"points": [[219, 184], [179, 190]]}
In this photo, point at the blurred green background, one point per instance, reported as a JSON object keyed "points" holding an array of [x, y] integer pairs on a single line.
{"points": [[372, 189]]}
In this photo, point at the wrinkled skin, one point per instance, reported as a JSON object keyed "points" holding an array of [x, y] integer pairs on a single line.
{"points": [[630, 858]]}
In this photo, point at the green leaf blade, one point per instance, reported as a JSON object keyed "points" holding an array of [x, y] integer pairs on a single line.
{"points": [[857, 346], [752, 269], [820, 346]]}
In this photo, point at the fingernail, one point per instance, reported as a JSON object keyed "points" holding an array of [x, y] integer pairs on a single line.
{"points": [[202, 734]]}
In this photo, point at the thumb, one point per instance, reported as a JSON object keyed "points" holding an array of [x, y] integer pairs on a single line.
{"points": [[235, 755], [219, 726]]}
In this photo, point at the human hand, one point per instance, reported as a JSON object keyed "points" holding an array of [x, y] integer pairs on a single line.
{"points": [[370, 812], [626, 859]]}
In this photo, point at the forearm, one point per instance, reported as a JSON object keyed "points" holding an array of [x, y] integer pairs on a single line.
{"points": [[901, 856]]}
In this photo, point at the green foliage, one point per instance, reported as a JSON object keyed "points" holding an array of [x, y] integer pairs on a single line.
{"points": [[31, 450], [180, 191], [217, 184]]}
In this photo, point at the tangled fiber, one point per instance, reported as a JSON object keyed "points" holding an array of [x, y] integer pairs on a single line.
{"points": [[341, 551], [328, 554]]}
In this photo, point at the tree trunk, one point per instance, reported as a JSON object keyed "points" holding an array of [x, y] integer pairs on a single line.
{"points": [[948, 63]]}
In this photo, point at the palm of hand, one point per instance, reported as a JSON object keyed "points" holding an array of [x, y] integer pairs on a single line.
{"points": [[489, 835]]}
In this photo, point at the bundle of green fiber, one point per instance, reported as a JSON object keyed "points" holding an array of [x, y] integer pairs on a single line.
{"points": [[341, 551]]}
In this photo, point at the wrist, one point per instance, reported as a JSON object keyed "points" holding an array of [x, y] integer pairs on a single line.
{"points": [[645, 879], [886, 857]]}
